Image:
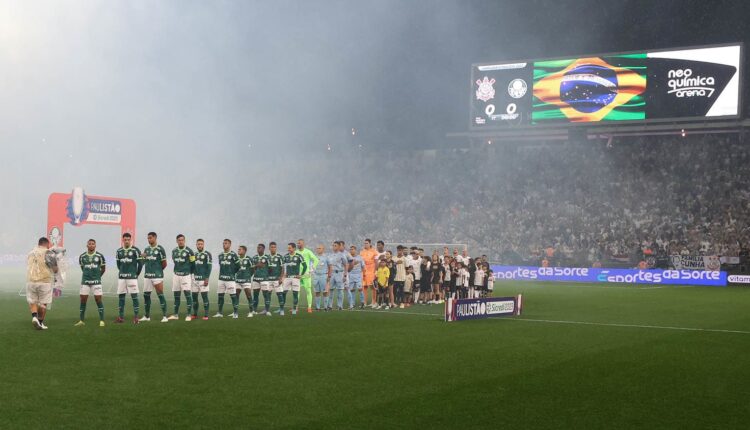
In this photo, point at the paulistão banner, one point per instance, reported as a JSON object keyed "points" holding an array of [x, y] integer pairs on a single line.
{"points": [[472, 309]]}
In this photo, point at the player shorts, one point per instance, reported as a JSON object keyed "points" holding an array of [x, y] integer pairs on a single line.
{"points": [[227, 287], [199, 286], [337, 281], [127, 286], [148, 284], [270, 286], [181, 282], [85, 290], [38, 294], [244, 286], [256, 285], [319, 285], [355, 284], [291, 284], [369, 278]]}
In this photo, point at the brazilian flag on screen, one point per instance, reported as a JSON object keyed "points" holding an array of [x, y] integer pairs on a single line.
{"points": [[591, 89]]}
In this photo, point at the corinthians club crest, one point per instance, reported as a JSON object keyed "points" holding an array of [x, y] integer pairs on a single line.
{"points": [[486, 91]]}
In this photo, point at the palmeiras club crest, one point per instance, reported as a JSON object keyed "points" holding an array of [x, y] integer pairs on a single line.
{"points": [[486, 91]]}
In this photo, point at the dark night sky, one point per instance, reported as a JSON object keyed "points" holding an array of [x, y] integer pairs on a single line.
{"points": [[486, 31]]}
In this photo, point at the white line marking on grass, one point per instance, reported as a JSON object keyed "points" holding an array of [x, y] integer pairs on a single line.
{"points": [[609, 287], [714, 330], [396, 312]]}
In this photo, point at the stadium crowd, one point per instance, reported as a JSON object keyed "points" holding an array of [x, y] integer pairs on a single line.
{"points": [[581, 203]]}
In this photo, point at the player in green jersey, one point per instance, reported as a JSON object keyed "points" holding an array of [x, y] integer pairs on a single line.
{"points": [[154, 258], [184, 267], [129, 264], [306, 280], [92, 268], [203, 264], [228, 265], [260, 278], [244, 277], [275, 277], [295, 267]]}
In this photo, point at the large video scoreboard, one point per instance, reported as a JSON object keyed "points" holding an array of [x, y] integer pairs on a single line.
{"points": [[676, 84]]}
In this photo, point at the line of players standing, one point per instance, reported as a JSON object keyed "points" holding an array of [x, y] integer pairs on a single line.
{"points": [[400, 280], [392, 281]]}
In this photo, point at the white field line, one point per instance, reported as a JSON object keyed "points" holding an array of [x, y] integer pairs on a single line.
{"points": [[624, 287], [713, 330], [396, 312], [658, 327]]}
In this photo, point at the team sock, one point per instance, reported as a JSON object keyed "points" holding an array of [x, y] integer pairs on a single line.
{"points": [[282, 300], [82, 311], [221, 302], [362, 296], [204, 297], [34, 315], [256, 299], [195, 303], [317, 302], [121, 304], [308, 292], [235, 302], [100, 309], [326, 301], [295, 299], [350, 293], [189, 300], [162, 303], [136, 304], [177, 298], [340, 298], [147, 304], [267, 300]]}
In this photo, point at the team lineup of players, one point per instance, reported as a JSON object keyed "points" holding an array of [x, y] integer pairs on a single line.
{"points": [[374, 274]]}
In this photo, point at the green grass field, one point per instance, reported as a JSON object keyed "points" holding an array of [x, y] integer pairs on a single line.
{"points": [[581, 356]]}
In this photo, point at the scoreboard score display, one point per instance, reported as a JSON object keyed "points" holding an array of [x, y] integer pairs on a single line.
{"points": [[674, 84]]}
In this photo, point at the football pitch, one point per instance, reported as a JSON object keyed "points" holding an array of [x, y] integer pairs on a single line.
{"points": [[580, 356]]}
